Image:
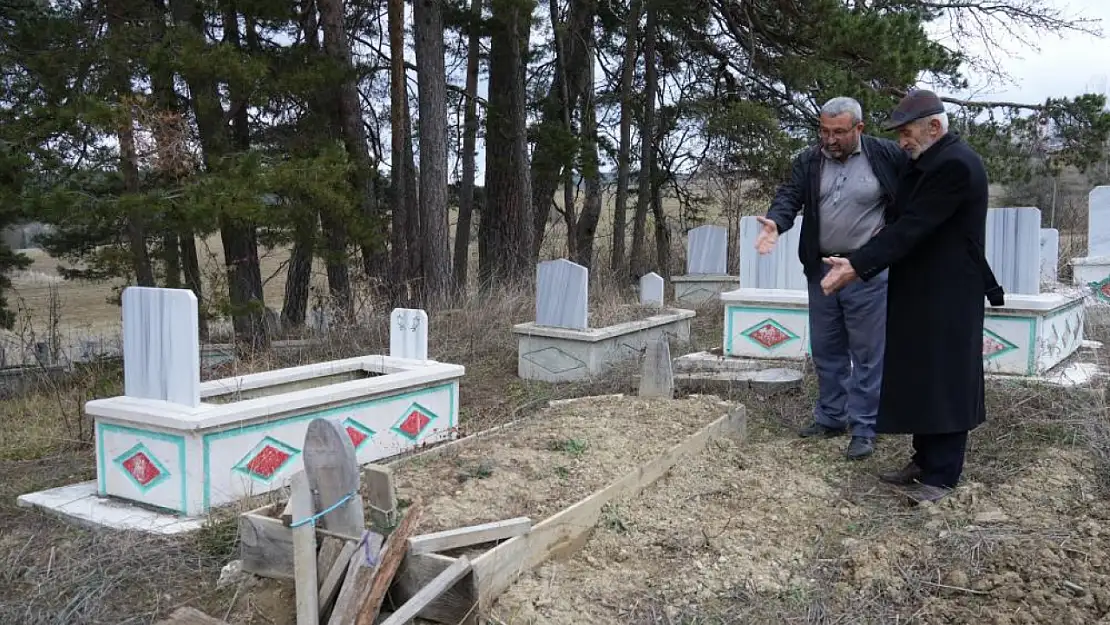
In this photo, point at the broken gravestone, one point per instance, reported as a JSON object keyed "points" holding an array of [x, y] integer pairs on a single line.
{"points": [[657, 375]]}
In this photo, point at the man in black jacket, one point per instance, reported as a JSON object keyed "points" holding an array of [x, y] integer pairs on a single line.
{"points": [[844, 187]]}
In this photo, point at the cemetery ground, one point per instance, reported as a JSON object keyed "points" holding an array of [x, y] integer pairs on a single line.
{"points": [[769, 530]]}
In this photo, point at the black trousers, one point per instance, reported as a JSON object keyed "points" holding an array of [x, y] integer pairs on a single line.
{"points": [[941, 457]]}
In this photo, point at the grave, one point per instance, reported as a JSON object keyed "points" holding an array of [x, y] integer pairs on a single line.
{"points": [[1093, 270], [706, 267], [173, 444], [560, 346]]}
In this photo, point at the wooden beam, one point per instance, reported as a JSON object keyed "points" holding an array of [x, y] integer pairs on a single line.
{"points": [[265, 545], [447, 540], [457, 606], [392, 554], [411, 608], [330, 585], [304, 553], [567, 531]]}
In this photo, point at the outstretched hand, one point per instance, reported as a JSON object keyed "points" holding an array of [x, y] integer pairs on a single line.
{"points": [[839, 276], [767, 238]]}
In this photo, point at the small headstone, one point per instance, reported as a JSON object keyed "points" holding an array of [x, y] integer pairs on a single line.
{"points": [[1014, 249], [657, 375], [780, 269], [1098, 222], [161, 345], [707, 251], [651, 289], [333, 474], [1050, 254], [562, 290], [408, 333]]}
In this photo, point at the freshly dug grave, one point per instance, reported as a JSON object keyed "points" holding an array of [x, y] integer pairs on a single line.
{"points": [[770, 531], [549, 462]]}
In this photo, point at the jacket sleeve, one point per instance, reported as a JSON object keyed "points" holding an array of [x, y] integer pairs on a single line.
{"points": [[940, 193], [788, 197]]}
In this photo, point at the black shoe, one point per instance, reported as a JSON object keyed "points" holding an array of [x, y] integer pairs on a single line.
{"points": [[903, 477], [921, 493], [860, 447], [821, 430]]}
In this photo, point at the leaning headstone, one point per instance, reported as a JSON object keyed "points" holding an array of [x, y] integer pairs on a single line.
{"points": [[562, 288], [408, 333], [161, 345], [657, 375], [1014, 248], [1050, 254], [333, 474], [1098, 222], [779, 269], [707, 251], [651, 289]]}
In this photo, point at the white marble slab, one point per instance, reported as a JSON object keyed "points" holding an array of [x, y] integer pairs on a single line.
{"points": [[562, 291], [651, 289], [707, 250], [1050, 255], [80, 504], [161, 345], [1098, 222], [1014, 248], [779, 269], [408, 334]]}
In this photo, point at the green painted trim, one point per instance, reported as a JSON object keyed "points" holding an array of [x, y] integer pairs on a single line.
{"points": [[176, 439], [747, 333], [414, 407], [351, 423], [163, 472], [1031, 365], [1007, 346], [206, 497], [729, 310], [270, 441]]}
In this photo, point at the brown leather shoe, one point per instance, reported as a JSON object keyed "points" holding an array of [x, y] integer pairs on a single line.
{"points": [[920, 493], [904, 476]]}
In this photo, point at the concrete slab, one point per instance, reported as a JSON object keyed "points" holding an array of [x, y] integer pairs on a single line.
{"points": [[80, 504]]}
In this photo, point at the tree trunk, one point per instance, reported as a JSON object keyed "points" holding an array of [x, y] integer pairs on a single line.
{"points": [[470, 135], [413, 284], [193, 280], [432, 84], [586, 227], [294, 306], [398, 120], [506, 231], [638, 264], [662, 233], [624, 152]]}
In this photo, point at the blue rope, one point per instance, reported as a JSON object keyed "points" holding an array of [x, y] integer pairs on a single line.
{"points": [[312, 519]]}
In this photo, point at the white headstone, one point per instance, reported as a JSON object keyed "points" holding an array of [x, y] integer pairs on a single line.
{"points": [[1014, 248], [780, 269], [562, 291], [707, 251], [1098, 222], [1050, 254], [161, 345], [408, 333], [651, 289]]}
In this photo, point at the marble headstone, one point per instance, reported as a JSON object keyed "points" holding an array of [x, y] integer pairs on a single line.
{"points": [[562, 290], [707, 251], [780, 269], [657, 374], [161, 345], [1014, 248], [1050, 254], [1098, 222], [408, 333], [651, 289]]}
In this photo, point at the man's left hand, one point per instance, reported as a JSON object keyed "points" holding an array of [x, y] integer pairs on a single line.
{"points": [[839, 276]]}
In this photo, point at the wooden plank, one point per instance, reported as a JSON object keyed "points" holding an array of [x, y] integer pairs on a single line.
{"points": [[457, 606], [381, 494], [265, 546], [565, 532], [411, 608], [333, 473], [392, 554], [304, 553], [330, 548], [447, 540], [330, 585], [189, 616], [355, 582]]}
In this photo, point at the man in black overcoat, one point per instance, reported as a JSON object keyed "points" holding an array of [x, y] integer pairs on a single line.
{"points": [[932, 383]]}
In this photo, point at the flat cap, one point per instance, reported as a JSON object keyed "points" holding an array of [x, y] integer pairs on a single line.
{"points": [[916, 105]]}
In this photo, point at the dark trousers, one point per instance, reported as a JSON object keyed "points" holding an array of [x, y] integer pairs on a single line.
{"points": [[941, 458], [847, 335]]}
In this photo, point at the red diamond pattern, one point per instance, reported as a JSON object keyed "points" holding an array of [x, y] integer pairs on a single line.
{"points": [[357, 436], [414, 423], [991, 346], [769, 336], [141, 468], [267, 461], [1105, 289]]}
